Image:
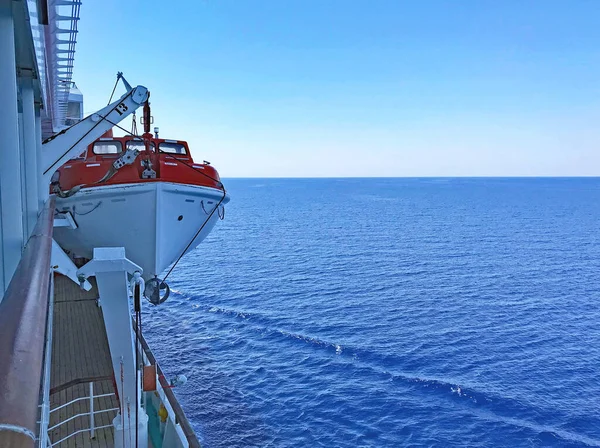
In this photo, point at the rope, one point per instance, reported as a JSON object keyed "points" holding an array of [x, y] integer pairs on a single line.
{"points": [[88, 212], [196, 235], [129, 420], [113, 92], [196, 171], [133, 124], [122, 398], [138, 327], [17, 429], [139, 339], [207, 219], [84, 136], [190, 166], [166, 154]]}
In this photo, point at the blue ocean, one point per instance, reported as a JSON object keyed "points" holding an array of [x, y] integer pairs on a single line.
{"points": [[391, 313]]}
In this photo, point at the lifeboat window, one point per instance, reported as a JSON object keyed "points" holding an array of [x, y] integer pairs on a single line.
{"points": [[136, 144], [110, 147], [172, 148]]}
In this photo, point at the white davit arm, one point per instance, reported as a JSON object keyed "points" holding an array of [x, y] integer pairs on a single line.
{"points": [[72, 141]]}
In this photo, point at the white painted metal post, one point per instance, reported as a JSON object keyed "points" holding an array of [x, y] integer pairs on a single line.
{"points": [[91, 410], [22, 165], [30, 170], [110, 266], [11, 224], [43, 189]]}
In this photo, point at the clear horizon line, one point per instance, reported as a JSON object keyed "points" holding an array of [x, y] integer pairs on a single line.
{"points": [[581, 176]]}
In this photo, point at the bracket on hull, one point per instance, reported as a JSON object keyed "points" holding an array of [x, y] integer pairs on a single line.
{"points": [[63, 264], [64, 219], [110, 267]]}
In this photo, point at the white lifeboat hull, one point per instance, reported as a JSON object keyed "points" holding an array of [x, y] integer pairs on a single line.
{"points": [[153, 221]]}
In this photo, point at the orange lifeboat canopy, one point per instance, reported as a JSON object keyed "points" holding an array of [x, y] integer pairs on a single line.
{"points": [[169, 160]]}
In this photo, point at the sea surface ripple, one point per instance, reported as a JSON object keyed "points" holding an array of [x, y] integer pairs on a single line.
{"points": [[390, 313]]}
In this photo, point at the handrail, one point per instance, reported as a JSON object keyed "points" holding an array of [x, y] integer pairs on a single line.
{"points": [[76, 381], [181, 419], [91, 413], [23, 314]]}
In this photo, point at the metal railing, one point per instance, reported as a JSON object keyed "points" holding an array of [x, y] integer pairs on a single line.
{"points": [[171, 403], [45, 388], [23, 323], [92, 428]]}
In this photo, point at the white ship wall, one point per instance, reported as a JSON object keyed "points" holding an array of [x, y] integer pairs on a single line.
{"points": [[37, 49]]}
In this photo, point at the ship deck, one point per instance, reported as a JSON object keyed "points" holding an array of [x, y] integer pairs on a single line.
{"points": [[80, 356]]}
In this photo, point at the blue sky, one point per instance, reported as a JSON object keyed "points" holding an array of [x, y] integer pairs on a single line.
{"points": [[310, 88]]}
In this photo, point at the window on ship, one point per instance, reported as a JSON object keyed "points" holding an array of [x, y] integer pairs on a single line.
{"points": [[139, 145], [107, 147], [172, 148]]}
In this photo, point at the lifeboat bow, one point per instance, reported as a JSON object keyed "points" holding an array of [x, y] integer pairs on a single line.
{"points": [[143, 193]]}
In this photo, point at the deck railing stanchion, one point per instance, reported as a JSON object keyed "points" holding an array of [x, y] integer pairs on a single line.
{"points": [[91, 413], [91, 410]]}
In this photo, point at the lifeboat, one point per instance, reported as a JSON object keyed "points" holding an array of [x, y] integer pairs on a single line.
{"points": [[145, 194]]}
